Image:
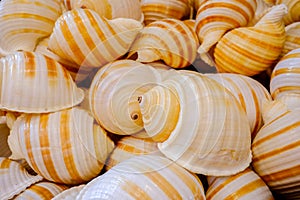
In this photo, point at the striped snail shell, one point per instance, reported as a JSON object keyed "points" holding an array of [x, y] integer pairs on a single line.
{"points": [[23, 23], [34, 83], [170, 40], [251, 50], [292, 38], [293, 14], [69, 194], [87, 39], [63, 147], [144, 177], [14, 178], [276, 150], [215, 18]]}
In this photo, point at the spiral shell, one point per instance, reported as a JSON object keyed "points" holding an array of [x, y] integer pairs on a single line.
{"points": [[251, 50], [69, 194], [244, 185], [129, 147], [144, 177], [293, 14], [292, 38], [23, 23], [14, 178], [111, 9], [55, 144], [190, 115], [42, 190], [215, 18], [170, 40], [285, 84], [250, 94], [157, 10], [276, 150], [87, 39], [34, 83], [114, 91]]}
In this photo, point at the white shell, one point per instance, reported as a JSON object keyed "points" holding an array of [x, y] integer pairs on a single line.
{"points": [[14, 178], [69, 194], [145, 177], [34, 83]]}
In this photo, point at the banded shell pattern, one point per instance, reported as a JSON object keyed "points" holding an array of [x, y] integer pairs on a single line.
{"points": [[293, 14], [84, 37], [34, 83], [292, 38], [54, 145], [145, 177], [251, 50], [244, 185], [170, 40], [23, 23], [14, 178]]}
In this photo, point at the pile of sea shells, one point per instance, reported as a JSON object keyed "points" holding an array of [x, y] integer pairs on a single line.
{"points": [[150, 99]]}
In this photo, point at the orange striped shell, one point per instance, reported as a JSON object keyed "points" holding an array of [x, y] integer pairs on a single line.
{"points": [[160, 9], [276, 150], [251, 50], [87, 39], [293, 14], [23, 23], [42, 190], [34, 83], [292, 38], [64, 147], [170, 40], [244, 185], [145, 177]]}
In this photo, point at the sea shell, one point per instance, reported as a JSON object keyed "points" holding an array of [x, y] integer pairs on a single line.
{"points": [[14, 178], [64, 147], [111, 9], [42, 190], [157, 9], [69, 194], [87, 39], [293, 14], [215, 18], [250, 93], [292, 38], [170, 40], [4, 148], [114, 91], [285, 79], [190, 115], [34, 83], [251, 50], [276, 150], [23, 23], [129, 147], [244, 185], [145, 177]]}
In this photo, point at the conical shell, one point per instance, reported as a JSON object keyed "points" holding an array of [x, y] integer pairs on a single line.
{"points": [[34, 83], [23, 23], [251, 50], [250, 93], [69, 194], [64, 147], [129, 147], [84, 37], [293, 14], [157, 9], [292, 38], [245, 185], [285, 79], [114, 91], [145, 177], [215, 18], [192, 115], [112, 9], [14, 178], [42, 190], [170, 40], [276, 150]]}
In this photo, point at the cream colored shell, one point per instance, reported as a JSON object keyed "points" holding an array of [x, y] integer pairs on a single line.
{"points": [[23, 23], [69, 194], [145, 177], [34, 83], [292, 38], [64, 147]]}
